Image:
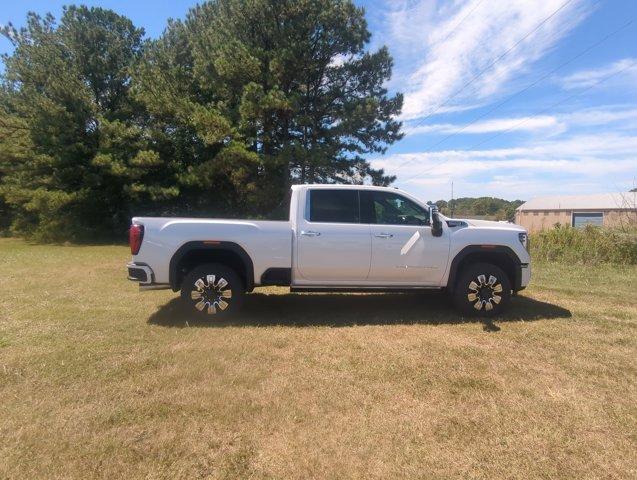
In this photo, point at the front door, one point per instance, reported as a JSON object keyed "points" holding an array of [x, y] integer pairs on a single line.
{"points": [[333, 246], [403, 250]]}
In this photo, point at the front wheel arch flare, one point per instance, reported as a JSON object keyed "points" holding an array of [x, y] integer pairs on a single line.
{"points": [[501, 256]]}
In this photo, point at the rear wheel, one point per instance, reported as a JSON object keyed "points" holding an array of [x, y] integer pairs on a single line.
{"points": [[212, 291], [483, 290]]}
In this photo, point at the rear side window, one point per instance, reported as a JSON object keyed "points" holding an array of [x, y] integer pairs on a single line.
{"points": [[334, 206]]}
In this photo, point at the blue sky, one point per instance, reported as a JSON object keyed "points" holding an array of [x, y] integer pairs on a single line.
{"points": [[512, 99]]}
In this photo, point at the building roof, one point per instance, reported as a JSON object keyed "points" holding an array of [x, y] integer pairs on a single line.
{"points": [[600, 201]]}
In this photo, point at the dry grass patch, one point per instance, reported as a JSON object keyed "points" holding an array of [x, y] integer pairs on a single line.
{"points": [[98, 380]]}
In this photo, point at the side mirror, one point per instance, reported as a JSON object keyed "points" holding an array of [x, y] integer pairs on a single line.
{"points": [[436, 223]]}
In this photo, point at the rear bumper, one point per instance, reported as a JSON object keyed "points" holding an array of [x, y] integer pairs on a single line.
{"points": [[139, 272]]}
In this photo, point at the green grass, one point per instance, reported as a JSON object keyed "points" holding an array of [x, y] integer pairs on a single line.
{"points": [[98, 380], [588, 246]]}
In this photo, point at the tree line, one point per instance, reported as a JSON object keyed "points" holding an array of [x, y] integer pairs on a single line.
{"points": [[218, 116], [487, 207]]}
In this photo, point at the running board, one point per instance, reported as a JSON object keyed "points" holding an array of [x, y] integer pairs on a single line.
{"points": [[364, 289], [154, 286]]}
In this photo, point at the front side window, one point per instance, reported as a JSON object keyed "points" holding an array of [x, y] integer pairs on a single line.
{"points": [[333, 206], [386, 208]]}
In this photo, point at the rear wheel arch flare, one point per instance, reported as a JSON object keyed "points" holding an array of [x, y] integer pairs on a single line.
{"points": [[195, 253]]}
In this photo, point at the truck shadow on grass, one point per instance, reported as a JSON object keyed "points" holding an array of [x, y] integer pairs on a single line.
{"points": [[346, 310]]}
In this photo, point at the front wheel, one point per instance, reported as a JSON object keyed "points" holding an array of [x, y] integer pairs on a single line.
{"points": [[212, 291], [482, 290]]}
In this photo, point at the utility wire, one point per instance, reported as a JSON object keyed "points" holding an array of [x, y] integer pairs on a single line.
{"points": [[525, 89], [484, 70], [570, 97], [551, 107]]}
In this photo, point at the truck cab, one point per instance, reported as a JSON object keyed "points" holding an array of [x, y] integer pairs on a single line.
{"points": [[367, 237]]}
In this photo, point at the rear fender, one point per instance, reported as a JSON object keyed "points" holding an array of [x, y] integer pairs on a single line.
{"points": [[191, 248]]}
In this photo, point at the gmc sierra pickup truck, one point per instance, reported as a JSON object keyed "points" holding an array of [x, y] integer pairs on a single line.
{"points": [[338, 238]]}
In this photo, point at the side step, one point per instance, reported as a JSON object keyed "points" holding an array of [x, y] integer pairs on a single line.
{"points": [[363, 289], [154, 286]]}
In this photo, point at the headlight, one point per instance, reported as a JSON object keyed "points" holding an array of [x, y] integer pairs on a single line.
{"points": [[524, 240]]}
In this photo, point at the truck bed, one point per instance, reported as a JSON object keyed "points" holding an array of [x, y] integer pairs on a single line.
{"points": [[268, 243]]}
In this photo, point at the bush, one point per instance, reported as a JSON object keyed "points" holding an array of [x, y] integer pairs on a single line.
{"points": [[589, 245]]}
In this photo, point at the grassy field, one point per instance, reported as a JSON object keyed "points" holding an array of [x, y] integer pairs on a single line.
{"points": [[98, 380]]}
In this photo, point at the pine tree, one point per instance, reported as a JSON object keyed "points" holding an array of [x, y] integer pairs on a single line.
{"points": [[218, 116], [72, 149], [253, 96]]}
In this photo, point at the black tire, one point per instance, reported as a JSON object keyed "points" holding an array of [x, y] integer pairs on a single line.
{"points": [[477, 294], [212, 291]]}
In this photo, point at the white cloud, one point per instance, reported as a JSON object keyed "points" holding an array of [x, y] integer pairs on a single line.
{"points": [[603, 116], [448, 52], [557, 123], [489, 126], [606, 161], [439, 46], [338, 60], [588, 78]]}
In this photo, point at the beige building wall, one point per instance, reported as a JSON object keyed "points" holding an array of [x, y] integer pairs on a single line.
{"points": [[620, 218], [537, 220]]}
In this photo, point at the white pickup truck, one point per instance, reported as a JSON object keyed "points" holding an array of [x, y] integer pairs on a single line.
{"points": [[338, 238]]}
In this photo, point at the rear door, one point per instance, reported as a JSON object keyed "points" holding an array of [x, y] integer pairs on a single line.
{"points": [[403, 250], [333, 246]]}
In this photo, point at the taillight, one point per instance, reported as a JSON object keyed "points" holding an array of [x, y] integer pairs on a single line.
{"points": [[135, 237]]}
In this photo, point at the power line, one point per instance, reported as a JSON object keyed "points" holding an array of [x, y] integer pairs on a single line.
{"points": [[487, 140], [528, 87], [484, 70], [570, 97]]}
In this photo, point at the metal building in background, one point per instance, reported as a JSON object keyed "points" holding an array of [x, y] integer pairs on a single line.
{"points": [[604, 209]]}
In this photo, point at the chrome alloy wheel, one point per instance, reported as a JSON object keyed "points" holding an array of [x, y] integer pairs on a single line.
{"points": [[210, 294], [484, 293]]}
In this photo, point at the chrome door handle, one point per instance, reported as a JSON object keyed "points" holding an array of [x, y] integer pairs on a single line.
{"points": [[383, 235], [310, 233]]}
